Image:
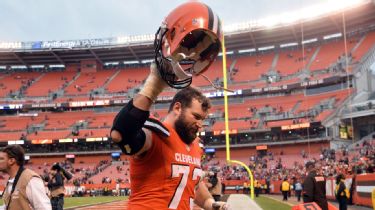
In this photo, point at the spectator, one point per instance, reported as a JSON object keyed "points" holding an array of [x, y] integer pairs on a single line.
{"points": [[298, 189], [285, 188], [342, 192]]}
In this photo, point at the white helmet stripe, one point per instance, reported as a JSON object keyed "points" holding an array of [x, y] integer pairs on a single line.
{"points": [[216, 23]]}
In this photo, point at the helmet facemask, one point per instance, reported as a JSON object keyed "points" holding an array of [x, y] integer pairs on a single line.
{"points": [[195, 52]]}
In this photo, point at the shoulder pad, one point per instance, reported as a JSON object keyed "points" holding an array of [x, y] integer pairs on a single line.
{"points": [[156, 126]]}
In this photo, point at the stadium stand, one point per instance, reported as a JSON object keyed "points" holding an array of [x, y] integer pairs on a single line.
{"points": [[49, 83], [329, 53], [70, 111], [292, 61], [214, 73], [365, 46], [252, 67], [88, 81], [10, 136], [13, 82], [127, 79]]}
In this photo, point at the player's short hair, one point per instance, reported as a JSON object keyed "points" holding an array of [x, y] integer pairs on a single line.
{"points": [[310, 164], [16, 152], [186, 96]]}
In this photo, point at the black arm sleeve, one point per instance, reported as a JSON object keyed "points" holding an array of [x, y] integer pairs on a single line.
{"points": [[129, 122]]}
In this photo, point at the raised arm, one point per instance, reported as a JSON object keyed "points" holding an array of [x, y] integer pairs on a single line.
{"points": [[127, 130]]}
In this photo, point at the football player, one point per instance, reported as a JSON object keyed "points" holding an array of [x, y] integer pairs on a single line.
{"points": [[165, 168]]}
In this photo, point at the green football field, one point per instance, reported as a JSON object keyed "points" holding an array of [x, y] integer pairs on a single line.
{"points": [[271, 204], [263, 202], [81, 201]]}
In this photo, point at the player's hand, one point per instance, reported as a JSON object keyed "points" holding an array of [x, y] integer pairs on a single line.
{"points": [[219, 205], [154, 84], [155, 76]]}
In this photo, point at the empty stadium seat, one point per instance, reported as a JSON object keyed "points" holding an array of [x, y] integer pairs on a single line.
{"points": [[127, 79], [292, 61], [251, 68], [329, 53], [88, 81], [50, 82], [10, 83]]}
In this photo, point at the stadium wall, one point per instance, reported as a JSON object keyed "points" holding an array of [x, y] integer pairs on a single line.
{"points": [[363, 184]]}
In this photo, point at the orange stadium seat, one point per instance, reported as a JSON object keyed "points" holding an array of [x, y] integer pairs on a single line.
{"points": [[323, 115], [214, 72], [40, 135], [88, 81], [329, 53], [50, 82], [65, 119], [14, 123], [284, 102], [127, 79], [6, 136], [101, 120], [88, 133], [14, 81], [309, 101], [252, 67], [238, 110], [291, 61], [235, 124], [72, 98], [365, 46]]}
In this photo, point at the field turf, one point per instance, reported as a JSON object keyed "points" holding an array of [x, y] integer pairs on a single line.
{"points": [[270, 204]]}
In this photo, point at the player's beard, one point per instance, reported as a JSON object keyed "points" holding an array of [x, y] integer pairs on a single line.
{"points": [[187, 133]]}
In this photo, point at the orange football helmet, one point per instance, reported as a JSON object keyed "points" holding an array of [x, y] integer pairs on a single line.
{"points": [[187, 43]]}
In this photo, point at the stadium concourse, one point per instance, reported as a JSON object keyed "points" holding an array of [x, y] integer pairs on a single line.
{"points": [[302, 91]]}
